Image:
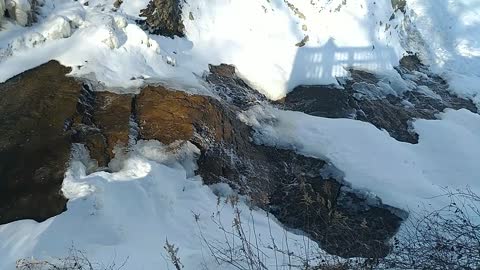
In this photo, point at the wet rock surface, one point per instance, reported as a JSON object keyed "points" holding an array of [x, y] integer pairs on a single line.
{"points": [[34, 145], [428, 96], [163, 17]]}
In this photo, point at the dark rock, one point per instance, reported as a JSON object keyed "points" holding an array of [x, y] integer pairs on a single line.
{"points": [[297, 189], [227, 154], [43, 112], [102, 123], [112, 116], [164, 17], [399, 5], [389, 112], [303, 42], [34, 146], [232, 89]]}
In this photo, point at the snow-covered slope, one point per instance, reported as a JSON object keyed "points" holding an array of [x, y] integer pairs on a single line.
{"points": [[154, 196], [258, 37], [449, 39]]}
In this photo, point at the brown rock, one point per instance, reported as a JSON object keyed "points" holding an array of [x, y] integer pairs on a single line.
{"points": [[112, 116], [164, 17], [34, 147], [297, 189]]}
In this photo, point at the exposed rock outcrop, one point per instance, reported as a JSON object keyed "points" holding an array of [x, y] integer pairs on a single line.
{"points": [[34, 143], [102, 124], [42, 112], [429, 95], [301, 192], [164, 17]]}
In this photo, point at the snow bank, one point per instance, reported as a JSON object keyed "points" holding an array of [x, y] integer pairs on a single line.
{"points": [[259, 38], [97, 43], [450, 41], [130, 213], [402, 174]]}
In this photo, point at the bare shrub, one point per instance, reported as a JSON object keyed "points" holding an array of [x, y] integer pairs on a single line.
{"points": [[444, 238], [75, 260], [242, 248], [172, 252]]}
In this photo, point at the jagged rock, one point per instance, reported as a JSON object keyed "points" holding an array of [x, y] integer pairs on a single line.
{"points": [[392, 113], [102, 123], [399, 5], [168, 115], [277, 180], [232, 89], [302, 192], [34, 145], [164, 17]]}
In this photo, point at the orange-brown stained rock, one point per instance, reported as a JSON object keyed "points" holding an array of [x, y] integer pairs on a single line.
{"points": [[111, 115], [168, 115], [34, 148]]}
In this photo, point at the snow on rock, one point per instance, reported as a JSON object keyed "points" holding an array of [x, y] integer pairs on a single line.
{"points": [[402, 174], [103, 216], [19, 10], [262, 47], [57, 28], [2, 8]]}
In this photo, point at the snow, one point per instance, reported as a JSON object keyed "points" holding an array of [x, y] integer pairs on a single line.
{"points": [[153, 193], [261, 42], [107, 45], [100, 45], [102, 41], [401, 174], [450, 36], [130, 213]]}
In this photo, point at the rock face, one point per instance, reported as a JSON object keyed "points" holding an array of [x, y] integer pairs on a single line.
{"points": [[300, 191], [393, 113], [44, 112], [164, 17], [34, 144], [232, 89], [102, 124]]}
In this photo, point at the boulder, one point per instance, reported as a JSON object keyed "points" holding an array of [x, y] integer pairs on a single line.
{"points": [[34, 144], [163, 17], [394, 113]]}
